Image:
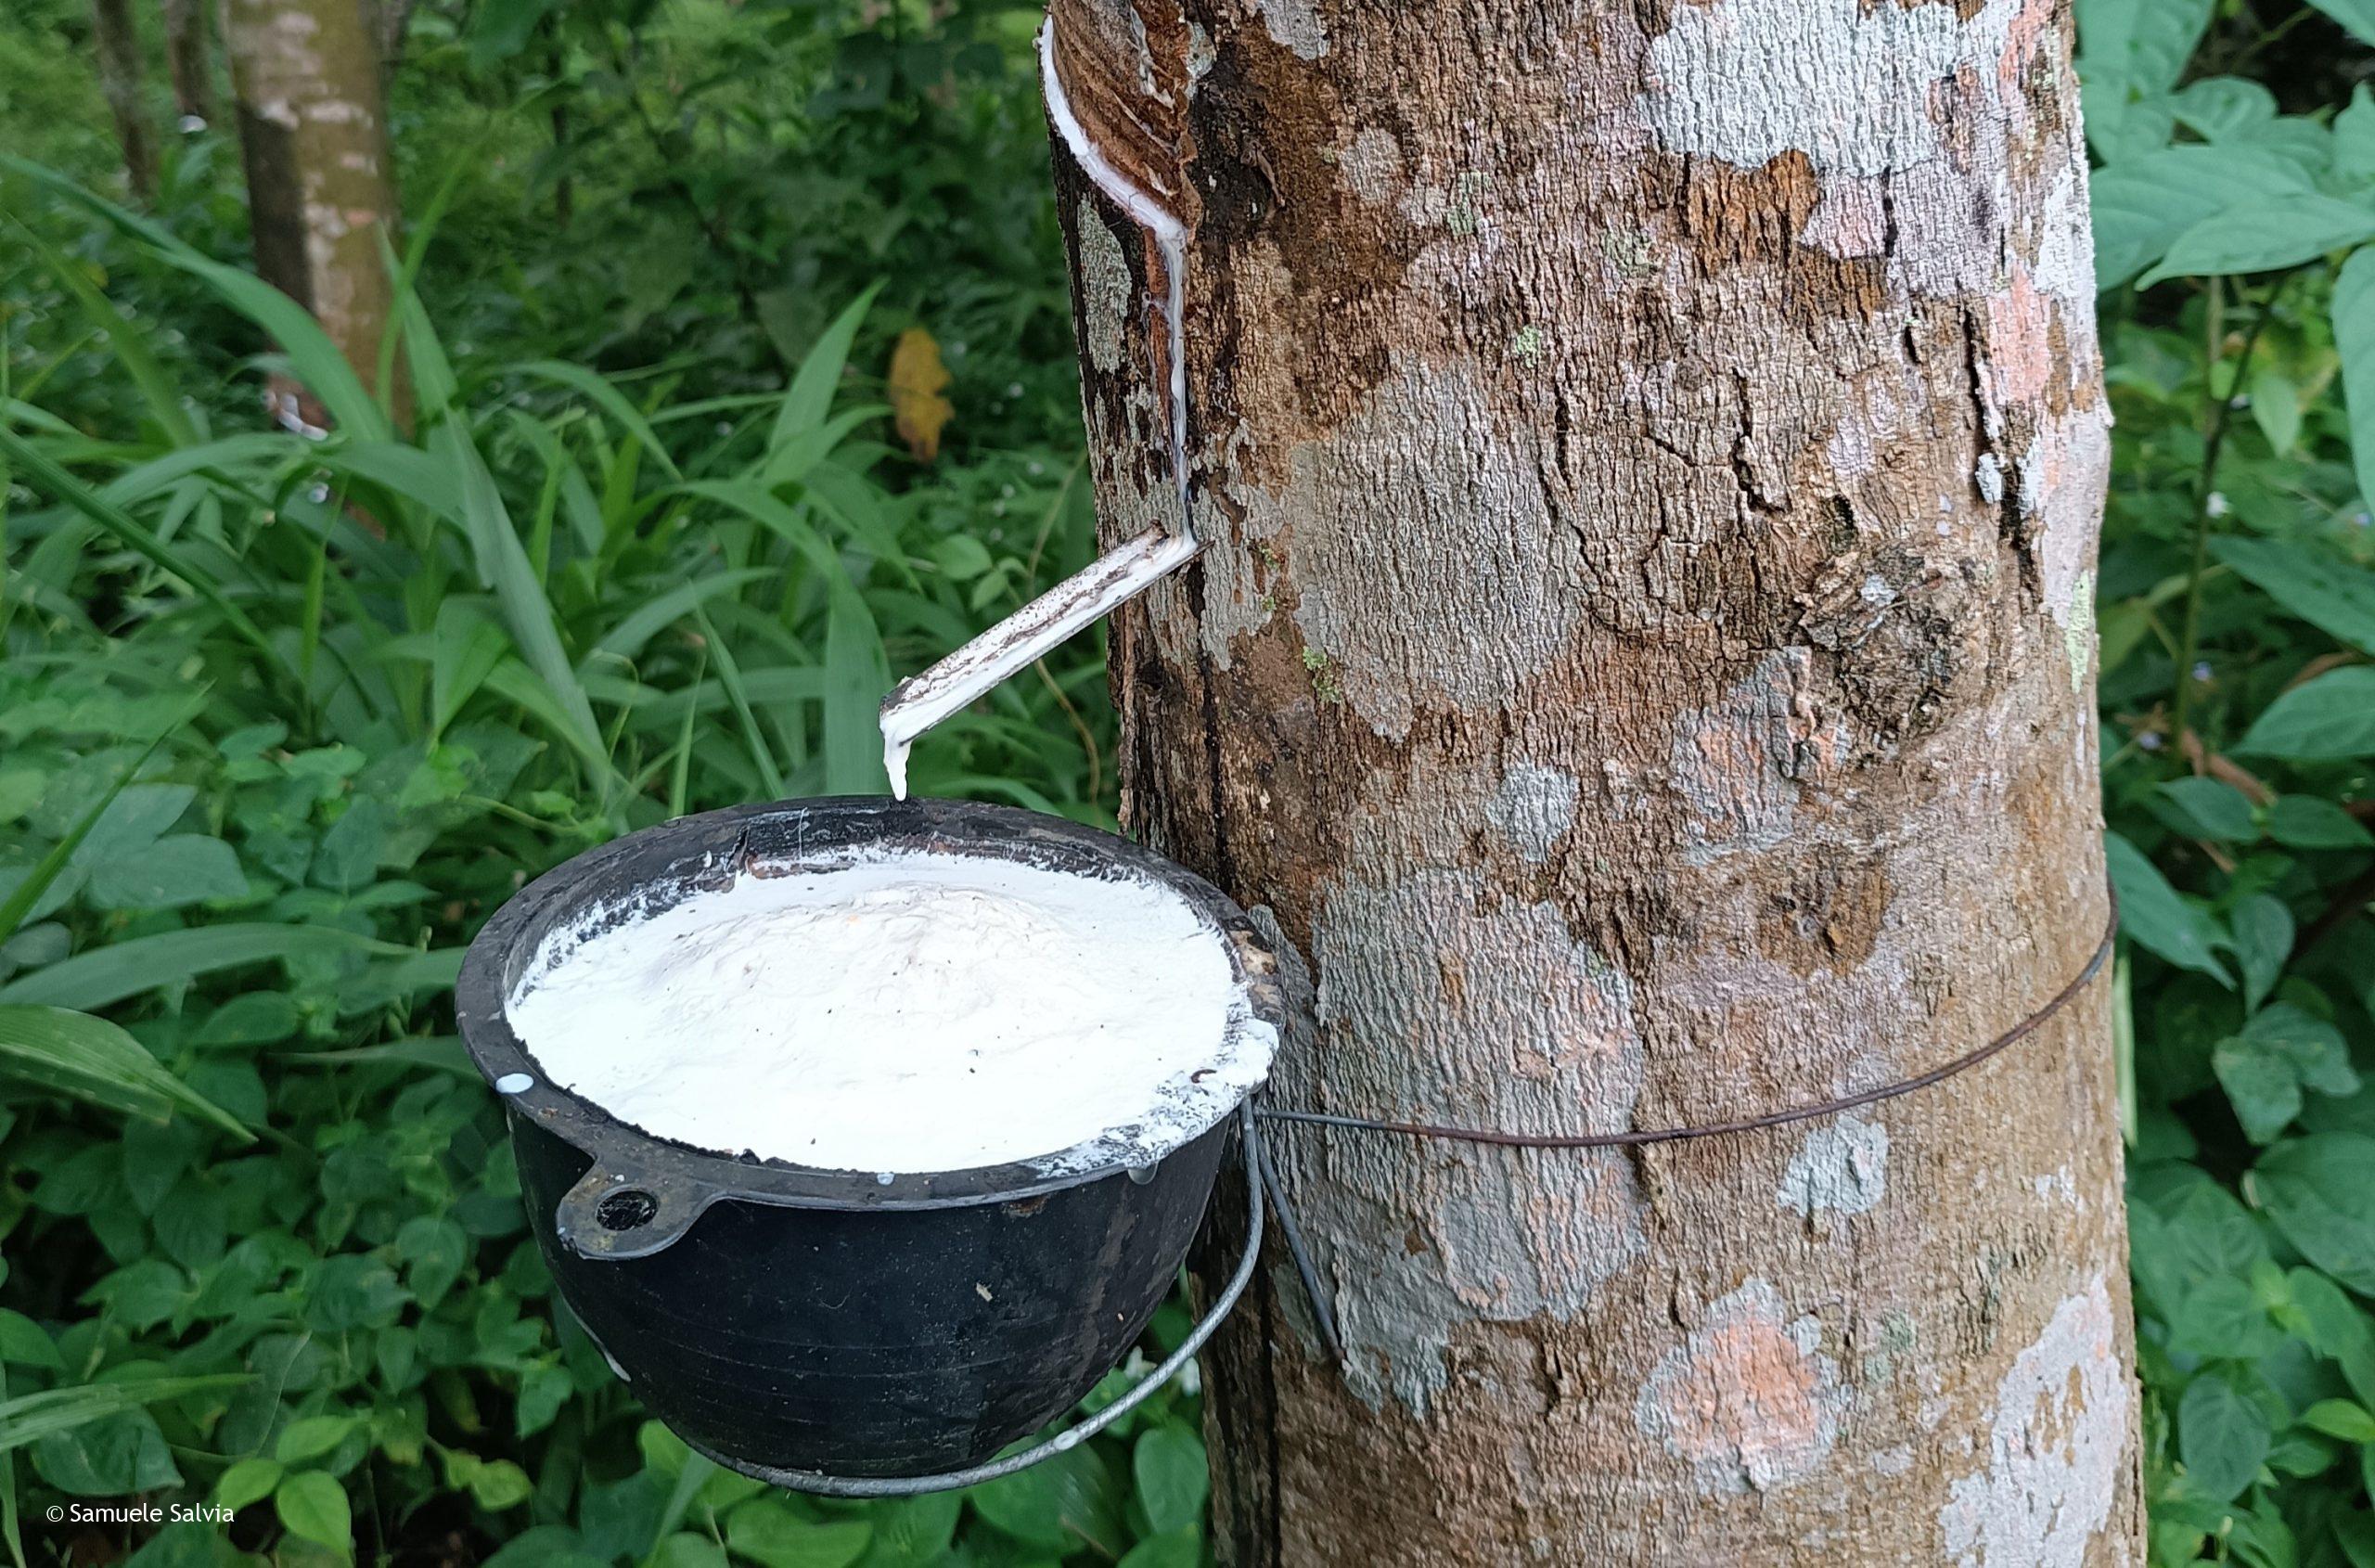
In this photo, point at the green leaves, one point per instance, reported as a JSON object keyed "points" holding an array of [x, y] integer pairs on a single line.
{"points": [[93, 1060], [2261, 236], [2130, 52], [108, 1457], [2321, 1193], [503, 565], [2357, 15], [809, 397], [2279, 1052], [435, 1249], [2309, 822], [494, 1484], [2341, 1418], [1058, 1503], [2330, 718], [312, 1438], [145, 963], [40, 889], [2262, 930], [500, 29], [2141, 205], [767, 1531], [1169, 1466], [2222, 1437], [2331, 595], [1183, 1549], [248, 1480], [2211, 808], [129, 862], [612, 402], [2354, 324], [30, 1418], [172, 873], [314, 1505], [2152, 914], [858, 674], [53, 477]]}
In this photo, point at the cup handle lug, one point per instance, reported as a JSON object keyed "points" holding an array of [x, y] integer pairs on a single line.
{"points": [[615, 1213]]}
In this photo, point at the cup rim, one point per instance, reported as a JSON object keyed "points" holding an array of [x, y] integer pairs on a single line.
{"points": [[681, 856]]}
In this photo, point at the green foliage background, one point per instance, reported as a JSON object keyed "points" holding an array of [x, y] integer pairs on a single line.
{"points": [[281, 720]]}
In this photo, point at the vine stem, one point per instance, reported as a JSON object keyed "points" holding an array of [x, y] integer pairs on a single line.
{"points": [[2214, 438]]}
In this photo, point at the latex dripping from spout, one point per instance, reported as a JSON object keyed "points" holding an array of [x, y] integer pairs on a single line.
{"points": [[1121, 574]]}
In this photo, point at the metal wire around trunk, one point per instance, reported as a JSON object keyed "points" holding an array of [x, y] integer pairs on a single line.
{"points": [[1324, 1318], [1636, 1139]]}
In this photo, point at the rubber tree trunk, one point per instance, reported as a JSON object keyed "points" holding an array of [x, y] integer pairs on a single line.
{"points": [[116, 40], [189, 57], [321, 196], [1652, 456]]}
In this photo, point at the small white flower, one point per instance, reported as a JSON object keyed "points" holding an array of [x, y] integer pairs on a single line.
{"points": [[2216, 506]]}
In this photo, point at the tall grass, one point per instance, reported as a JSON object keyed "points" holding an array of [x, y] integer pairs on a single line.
{"points": [[719, 589]]}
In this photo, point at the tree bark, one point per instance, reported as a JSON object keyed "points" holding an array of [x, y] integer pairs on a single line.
{"points": [[117, 42], [1650, 454], [321, 197], [190, 59]]}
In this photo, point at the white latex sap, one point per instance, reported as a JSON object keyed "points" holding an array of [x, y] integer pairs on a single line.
{"points": [[901, 1014]]}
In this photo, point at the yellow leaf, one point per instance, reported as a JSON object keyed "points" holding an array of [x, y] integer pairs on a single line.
{"points": [[916, 377]]}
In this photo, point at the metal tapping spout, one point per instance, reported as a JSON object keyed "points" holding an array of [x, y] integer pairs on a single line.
{"points": [[1121, 574], [1113, 579]]}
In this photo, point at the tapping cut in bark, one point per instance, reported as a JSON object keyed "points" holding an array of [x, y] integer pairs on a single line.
{"points": [[917, 703]]}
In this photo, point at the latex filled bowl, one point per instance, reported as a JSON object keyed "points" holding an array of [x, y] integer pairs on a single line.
{"points": [[785, 1317]]}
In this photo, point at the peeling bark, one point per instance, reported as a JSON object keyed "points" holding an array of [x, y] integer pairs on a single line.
{"points": [[321, 195], [117, 41], [1649, 458]]}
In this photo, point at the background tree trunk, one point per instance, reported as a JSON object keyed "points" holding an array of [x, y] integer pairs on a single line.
{"points": [[117, 42], [321, 195], [190, 59], [389, 21], [1652, 456]]}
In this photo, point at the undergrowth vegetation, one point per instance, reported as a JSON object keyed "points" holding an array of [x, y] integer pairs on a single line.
{"points": [[281, 719], [2237, 611]]}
